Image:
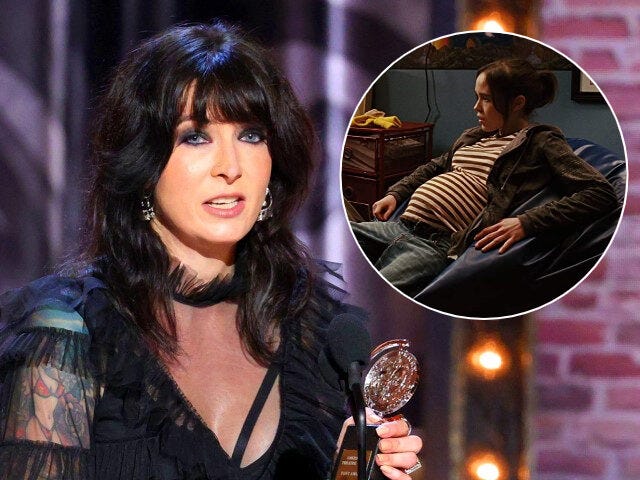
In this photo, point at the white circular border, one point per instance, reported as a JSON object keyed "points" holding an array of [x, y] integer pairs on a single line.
{"points": [[626, 188]]}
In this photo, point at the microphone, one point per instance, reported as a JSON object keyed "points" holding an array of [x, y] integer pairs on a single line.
{"points": [[349, 347], [347, 351]]}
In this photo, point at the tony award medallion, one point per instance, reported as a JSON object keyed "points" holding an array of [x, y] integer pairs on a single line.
{"points": [[389, 384]]}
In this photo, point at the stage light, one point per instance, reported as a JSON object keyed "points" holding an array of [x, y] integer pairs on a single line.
{"points": [[488, 471], [490, 360], [486, 465], [488, 357], [491, 26], [494, 22], [499, 16]]}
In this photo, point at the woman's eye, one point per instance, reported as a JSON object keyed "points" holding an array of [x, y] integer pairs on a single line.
{"points": [[194, 138], [252, 136]]}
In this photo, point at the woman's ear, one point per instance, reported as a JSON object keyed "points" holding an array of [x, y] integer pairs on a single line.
{"points": [[518, 104]]}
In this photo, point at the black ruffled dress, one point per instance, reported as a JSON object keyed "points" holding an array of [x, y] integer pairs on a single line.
{"points": [[128, 418]]}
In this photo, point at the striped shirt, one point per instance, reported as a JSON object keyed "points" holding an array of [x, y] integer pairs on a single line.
{"points": [[452, 200]]}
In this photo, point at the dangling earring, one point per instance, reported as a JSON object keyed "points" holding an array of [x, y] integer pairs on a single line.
{"points": [[265, 211], [147, 208]]}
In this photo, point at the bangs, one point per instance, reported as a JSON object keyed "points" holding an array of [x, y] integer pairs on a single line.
{"points": [[227, 93]]}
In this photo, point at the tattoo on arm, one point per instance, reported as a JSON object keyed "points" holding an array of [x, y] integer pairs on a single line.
{"points": [[50, 405]]}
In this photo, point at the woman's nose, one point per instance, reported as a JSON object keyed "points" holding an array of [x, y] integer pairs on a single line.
{"points": [[476, 106], [226, 163]]}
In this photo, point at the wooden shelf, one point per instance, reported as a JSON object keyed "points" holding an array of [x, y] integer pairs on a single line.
{"points": [[373, 159]]}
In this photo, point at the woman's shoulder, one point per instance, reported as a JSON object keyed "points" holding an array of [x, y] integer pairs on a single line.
{"points": [[548, 141], [55, 303], [540, 132]]}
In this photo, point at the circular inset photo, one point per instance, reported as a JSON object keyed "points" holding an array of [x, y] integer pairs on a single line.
{"points": [[483, 174]]}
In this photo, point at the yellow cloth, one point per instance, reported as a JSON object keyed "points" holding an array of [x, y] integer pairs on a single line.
{"points": [[375, 118]]}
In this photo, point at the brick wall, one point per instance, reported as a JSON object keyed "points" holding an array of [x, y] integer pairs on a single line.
{"points": [[587, 422]]}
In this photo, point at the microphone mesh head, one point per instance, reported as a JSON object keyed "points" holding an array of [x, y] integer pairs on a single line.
{"points": [[349, 341]]}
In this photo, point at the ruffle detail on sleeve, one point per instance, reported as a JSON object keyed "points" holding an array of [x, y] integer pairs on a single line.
{"points": [[326, 274], [40, 328], [330, 294], [26, 460], [59, 348]]}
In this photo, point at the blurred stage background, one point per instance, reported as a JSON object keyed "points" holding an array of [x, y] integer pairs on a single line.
{"points": [[567, 405]]}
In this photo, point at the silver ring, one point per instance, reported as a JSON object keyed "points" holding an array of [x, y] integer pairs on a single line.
{"points": [[410, 470]]}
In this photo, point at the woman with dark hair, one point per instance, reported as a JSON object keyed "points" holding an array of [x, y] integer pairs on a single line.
{"points": [[465, 195], [185, 342]]}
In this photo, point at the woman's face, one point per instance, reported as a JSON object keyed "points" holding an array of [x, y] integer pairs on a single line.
{"points": [[210, 193], [490, 119]]}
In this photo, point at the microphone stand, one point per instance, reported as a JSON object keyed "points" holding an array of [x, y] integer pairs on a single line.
{"points": [[359, 415]]}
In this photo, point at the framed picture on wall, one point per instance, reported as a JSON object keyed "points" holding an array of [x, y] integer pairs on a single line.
{"points": [[583, 89]]}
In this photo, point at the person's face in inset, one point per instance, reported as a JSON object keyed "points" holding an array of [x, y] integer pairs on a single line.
{"points": [[489, 118], [210, 193]]}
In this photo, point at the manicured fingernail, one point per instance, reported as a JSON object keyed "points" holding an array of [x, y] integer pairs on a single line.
{"points": [[382, 430], [387, 470], [379, 458]]}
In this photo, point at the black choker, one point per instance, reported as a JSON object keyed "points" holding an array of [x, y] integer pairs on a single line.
{"points": [[196, 294]]}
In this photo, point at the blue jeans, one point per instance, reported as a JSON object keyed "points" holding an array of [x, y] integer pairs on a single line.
{"points": [[407, 260]]}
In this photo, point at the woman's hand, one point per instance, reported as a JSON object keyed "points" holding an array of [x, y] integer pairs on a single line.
{"points": [[383, 208], [397, 448], [505, 233]]}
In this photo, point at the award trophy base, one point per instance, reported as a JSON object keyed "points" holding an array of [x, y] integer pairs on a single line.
{"points": [[346, 466]]}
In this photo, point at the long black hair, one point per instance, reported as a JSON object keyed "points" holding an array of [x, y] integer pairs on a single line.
{"points": [[234, 79]]}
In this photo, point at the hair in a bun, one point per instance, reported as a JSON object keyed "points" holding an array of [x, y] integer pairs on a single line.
{"points": [[508, 78]]}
